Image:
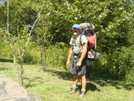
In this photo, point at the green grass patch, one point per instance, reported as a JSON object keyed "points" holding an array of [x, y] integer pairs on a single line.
{"points": [[53, 85]]}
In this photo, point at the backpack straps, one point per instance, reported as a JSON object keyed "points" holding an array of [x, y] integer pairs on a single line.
{"points": [[95, 44], [80, 38]]}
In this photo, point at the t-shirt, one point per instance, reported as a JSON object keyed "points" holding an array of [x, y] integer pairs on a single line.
{"points": [[77, 45]]}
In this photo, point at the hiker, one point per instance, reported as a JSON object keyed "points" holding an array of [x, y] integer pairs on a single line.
{"points": [[79, 64]]}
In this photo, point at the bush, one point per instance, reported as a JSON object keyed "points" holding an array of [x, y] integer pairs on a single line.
{"points": [[32, 53], [56, 55], [5, 50], [119, 64]]}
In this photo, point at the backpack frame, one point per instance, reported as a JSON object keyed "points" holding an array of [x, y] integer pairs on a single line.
{"points": [[87, 29]]}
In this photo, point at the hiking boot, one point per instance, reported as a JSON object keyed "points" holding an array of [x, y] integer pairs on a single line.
{"points": [[72, 91], [82, 94]]}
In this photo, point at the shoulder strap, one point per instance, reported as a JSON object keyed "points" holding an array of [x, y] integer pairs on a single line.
{"points": [[95, 45], [80, 39]]}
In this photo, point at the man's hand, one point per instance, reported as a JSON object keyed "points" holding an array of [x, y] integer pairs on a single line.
{"points": [[68, 64], [78, 64], [69, 56]]}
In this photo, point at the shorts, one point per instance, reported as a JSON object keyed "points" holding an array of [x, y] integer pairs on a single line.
{"points": [[78, 70]]}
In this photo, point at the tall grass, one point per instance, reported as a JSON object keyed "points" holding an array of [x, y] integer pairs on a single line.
{"points": [[53, 85]]}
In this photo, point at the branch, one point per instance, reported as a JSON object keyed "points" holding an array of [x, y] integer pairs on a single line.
{"points": [[32, 29]]}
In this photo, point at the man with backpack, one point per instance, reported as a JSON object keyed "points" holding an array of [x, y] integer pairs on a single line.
{"points": [[78, 67]]}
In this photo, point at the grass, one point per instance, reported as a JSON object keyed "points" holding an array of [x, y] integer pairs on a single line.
{"points": [[52, 85]]}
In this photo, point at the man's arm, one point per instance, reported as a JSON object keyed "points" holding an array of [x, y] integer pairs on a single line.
{"points": [[69, 56], [83, 54]]}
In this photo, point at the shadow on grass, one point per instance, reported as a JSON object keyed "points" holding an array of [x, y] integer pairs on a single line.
{"points": [[90, 87], [33, 81], [68, 76], [61, 74], [4, 68], [103, 79], [96, 80], [100, 79], [6, 60]]}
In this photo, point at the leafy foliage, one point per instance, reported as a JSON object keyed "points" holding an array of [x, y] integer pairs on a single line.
{"points": [[113, 20]]}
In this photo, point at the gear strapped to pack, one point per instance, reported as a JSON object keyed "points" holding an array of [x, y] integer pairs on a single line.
{"points": [[87, 29]]}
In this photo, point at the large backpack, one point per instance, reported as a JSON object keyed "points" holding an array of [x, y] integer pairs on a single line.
{"points": [[87, 29]]}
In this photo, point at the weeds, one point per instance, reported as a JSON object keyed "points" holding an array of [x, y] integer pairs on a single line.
{"points": [[52, 85]]}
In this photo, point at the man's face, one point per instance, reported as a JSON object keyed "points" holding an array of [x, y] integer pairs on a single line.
{"points": [[75, 30]]}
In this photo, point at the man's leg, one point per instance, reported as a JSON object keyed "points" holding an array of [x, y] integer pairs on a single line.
{"points": [[75, 80], [83, 83]]}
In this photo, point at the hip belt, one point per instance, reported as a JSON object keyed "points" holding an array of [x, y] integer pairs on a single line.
{"points": [[77, 55]]}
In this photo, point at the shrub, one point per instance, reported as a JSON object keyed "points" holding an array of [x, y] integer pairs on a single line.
{"points": [[32, 53], [119, 64], [5, 50], [56, 55]]}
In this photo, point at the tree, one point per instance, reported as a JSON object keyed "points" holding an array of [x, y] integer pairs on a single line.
{"points": [[113, 21], [20, 36]]}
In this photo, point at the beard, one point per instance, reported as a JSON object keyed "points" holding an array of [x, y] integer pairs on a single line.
{"points": [[75, 33]]}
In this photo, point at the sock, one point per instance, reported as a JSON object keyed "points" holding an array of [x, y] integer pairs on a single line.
{"points": [[74, 86], [83, 90]]}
